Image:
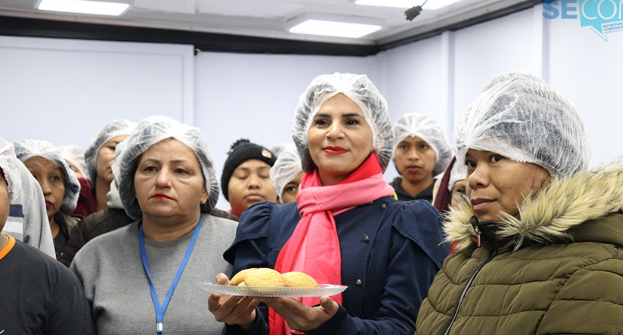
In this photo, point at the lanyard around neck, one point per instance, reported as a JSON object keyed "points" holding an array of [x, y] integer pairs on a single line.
{"points": [[160, 310]]}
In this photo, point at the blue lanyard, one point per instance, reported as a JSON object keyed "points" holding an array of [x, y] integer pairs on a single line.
{"points": [[160, 310]]}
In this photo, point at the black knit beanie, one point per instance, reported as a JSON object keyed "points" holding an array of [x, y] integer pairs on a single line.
{"points": [[241, 151]]}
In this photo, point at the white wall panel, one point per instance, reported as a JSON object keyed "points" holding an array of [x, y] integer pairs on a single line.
{"points": [[588, 71], [486, 49], [64, 91]]}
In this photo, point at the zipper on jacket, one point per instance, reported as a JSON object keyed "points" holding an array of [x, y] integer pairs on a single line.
{"points": [[494, 252], [474, 222]]}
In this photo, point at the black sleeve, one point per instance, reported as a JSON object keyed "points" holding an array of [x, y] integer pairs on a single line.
{"points": [[70, 313]]}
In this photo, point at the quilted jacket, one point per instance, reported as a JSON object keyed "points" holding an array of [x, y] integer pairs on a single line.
{"points": [[556, 268]]}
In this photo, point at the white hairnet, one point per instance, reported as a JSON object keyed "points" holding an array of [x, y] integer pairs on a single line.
{"points": [[75, 155], [458, 172], [360, 90], [150, 131], [498, 78], [26, 149], [424, 127], [278, 148], [287, 166], [527, 121], [111, 130], [8, 164]]}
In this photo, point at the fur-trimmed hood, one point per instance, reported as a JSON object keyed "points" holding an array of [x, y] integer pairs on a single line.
{"points": [[562, 204]]}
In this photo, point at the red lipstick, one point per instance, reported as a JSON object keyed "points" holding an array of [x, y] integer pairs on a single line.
{"points": [[334, 150]]}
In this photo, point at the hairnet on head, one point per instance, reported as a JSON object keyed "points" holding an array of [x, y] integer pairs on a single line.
{"points": [[150, 131], [278, 148], [504, 76], [424, 127], [361, 91], [26, 149], [8, 165], [75, 155], [528, 121], [458, 172], [287, 166], [111, 130]]}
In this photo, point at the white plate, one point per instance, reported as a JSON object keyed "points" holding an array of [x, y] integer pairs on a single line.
{"points": [[271, 292]]}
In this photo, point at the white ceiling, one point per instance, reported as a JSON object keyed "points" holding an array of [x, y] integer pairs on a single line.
{"points": [[268, 18]]}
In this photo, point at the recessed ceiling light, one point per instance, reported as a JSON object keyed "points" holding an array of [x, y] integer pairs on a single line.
{"points": [[84, 7], [333, 28], [430, 4], [334, 25]]}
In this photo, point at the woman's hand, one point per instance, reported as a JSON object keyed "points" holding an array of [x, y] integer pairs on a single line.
{"points": [[301, 317], [232, 310]]}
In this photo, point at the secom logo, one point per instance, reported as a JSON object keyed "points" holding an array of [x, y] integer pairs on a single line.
{"points": [[603, 16]]}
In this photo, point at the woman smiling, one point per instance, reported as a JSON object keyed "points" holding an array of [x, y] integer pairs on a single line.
{"points": [[344, 228]]}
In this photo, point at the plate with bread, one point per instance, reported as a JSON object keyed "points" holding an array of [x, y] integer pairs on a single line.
{"points": [[265, 282]]}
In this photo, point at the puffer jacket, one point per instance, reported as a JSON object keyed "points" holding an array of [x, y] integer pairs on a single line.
{"points": [[555, 269]]}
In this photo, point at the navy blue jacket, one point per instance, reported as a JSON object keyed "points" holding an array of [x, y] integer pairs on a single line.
{"points": [[390, 250]]}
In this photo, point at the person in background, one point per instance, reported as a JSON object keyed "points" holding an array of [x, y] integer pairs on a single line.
{"points": [[454, 187], [449, 195], [421, 152], [246, 176], [39, 295], [167, 184], [277, 148], [100, 156], [28, 219], [457, 185], [58, 183], [345, 227], [286, 174], [74, 157], [538, 235]]}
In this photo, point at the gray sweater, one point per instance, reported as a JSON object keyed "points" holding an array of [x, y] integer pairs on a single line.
{"points": [[117, 287]]}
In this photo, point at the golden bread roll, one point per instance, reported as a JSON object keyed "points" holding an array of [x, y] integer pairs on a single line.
{"points": [[299, 279], [239, 277], [264, 277]]}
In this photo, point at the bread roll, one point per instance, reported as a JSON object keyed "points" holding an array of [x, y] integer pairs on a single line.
{"points": [[239, 277], [264, 277], [299, 279]]}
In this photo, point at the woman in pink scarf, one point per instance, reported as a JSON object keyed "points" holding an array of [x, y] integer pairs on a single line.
{"points": [[345, 227]]}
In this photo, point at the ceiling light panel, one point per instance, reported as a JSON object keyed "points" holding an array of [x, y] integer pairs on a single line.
{"points": [[84, 7], [331, 28], [334, 25]]}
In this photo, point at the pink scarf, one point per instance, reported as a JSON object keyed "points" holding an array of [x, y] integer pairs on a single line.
{"points": [[314, 247]]}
